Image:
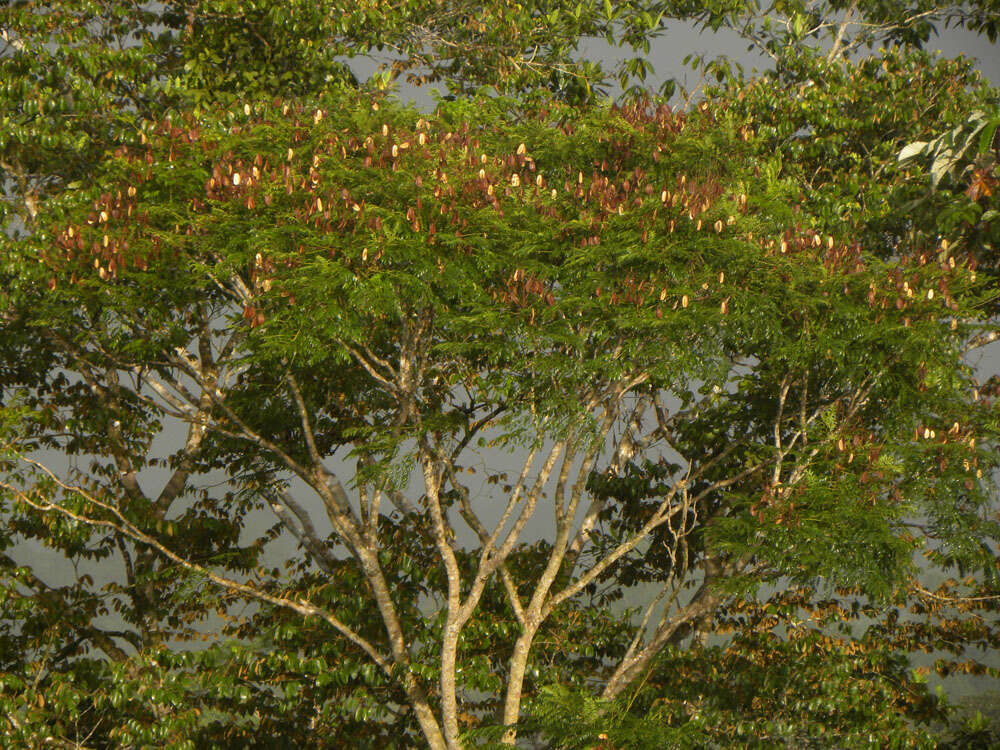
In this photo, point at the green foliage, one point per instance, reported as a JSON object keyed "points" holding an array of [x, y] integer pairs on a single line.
{"points": [[733, 336], [780, 679]]}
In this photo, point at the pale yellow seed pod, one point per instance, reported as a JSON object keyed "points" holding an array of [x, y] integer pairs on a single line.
{"points": [[522, 149], [553, 194], [684, 301], [515, 180]]}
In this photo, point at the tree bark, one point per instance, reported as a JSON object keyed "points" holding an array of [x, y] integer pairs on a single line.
{"points": [[704, 602], [515, 682]]}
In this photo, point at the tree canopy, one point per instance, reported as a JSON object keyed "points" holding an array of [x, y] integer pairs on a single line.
{"points": [[495, 371]]}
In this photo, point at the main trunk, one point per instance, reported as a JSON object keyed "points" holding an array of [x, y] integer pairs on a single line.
{"points": [[515, 683]]}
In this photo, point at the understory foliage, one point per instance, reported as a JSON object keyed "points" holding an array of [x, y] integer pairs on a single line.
{"points": [[355, 424], [794, 669]]}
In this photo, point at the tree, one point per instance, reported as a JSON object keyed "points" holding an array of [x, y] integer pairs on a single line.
{"points": [[847, 166], [711, 366], [81, 77]]}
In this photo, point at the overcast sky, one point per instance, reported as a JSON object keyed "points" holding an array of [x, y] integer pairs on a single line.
{"points": [[668, 51]]}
